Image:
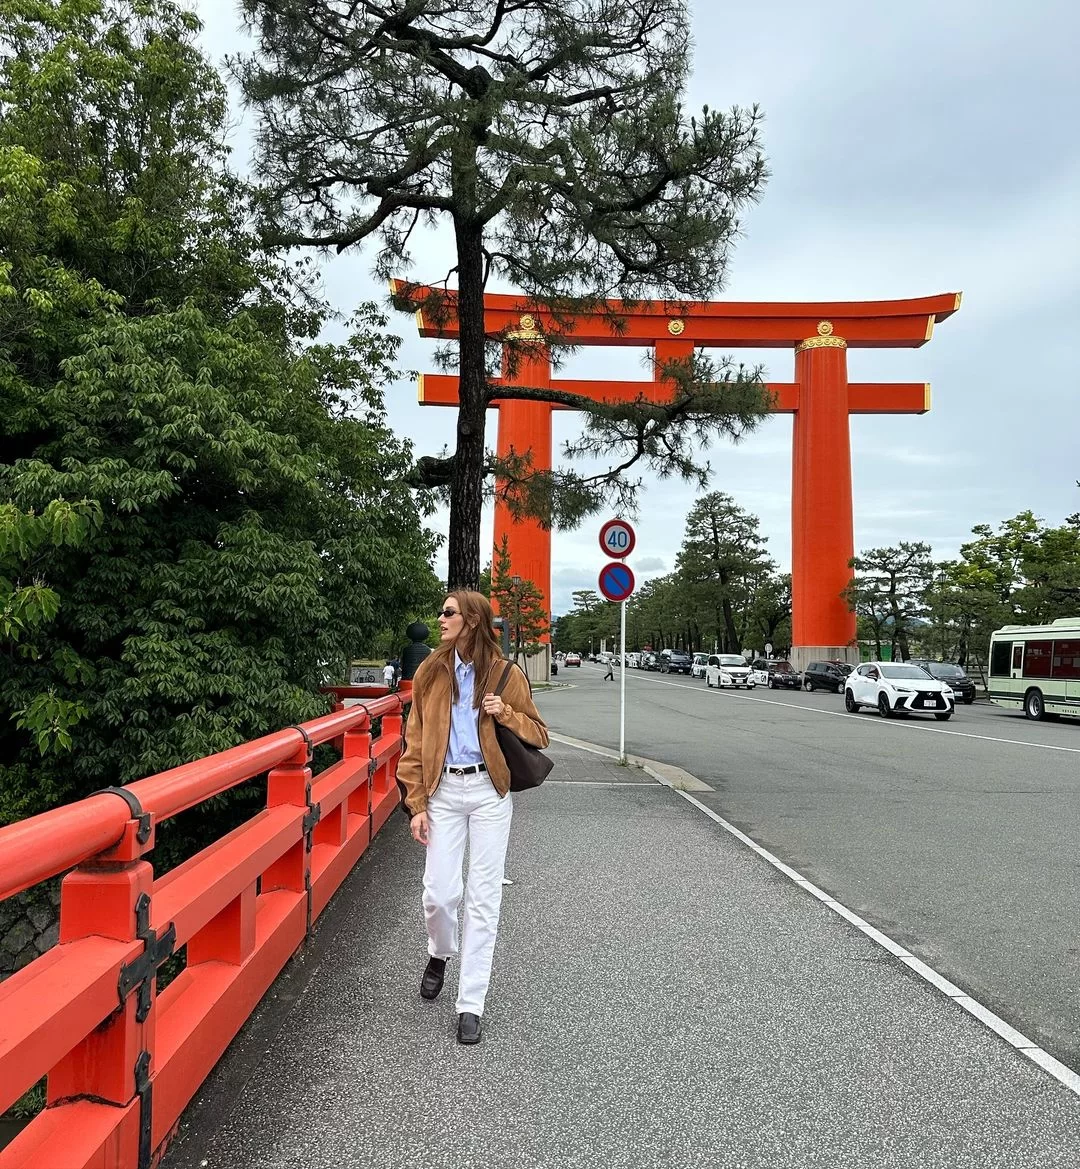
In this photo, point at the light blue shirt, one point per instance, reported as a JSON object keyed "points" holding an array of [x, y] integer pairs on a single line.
{"points": [[464, 745]]}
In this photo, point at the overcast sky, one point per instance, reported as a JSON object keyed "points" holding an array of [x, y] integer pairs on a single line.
{"points": [[915, 148]]}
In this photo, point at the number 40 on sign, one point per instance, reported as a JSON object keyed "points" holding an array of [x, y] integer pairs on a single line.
{"points": [[617, 539]]}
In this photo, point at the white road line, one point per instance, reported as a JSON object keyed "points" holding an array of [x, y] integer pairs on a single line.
{"points": [[993, 1022], [1043, 1059], [892, 722]]}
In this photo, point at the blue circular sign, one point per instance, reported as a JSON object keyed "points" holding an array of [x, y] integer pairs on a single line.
{"points": [[616, 581]]}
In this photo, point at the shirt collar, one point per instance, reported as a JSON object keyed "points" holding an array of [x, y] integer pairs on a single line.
{"points": [[459, 664]]}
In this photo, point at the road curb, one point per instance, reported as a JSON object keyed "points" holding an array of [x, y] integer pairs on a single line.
{"points": [[670, 776]]}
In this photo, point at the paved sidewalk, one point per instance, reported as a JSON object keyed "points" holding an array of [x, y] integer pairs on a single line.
{"points": [[661, 996]]}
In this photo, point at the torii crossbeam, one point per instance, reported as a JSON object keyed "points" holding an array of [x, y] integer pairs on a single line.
{"points": [[821, 399]]}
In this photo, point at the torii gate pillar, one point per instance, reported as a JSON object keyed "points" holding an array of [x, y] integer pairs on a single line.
{"points": [[822, 526], [524, 427]]}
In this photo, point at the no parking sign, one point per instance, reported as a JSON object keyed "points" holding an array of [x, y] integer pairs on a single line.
{"points": [[616, 581]]}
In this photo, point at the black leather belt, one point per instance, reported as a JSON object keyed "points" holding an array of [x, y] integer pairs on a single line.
{"points": [[467, 769]]}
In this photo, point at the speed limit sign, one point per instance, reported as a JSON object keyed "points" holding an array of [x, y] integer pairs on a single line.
{"points": [[617, 539]]}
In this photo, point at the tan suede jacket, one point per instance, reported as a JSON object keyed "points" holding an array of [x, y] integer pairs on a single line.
{"points": [[427, 736]]}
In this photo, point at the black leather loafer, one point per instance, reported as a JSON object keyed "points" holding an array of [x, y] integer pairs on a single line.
{"points": [[431, 983], [468, 1028]]}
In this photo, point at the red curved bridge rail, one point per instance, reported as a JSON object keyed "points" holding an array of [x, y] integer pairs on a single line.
{"points": [[122, 1061]]}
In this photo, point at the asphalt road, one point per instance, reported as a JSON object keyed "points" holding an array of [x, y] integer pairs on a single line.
{"points": [[960, 840]]}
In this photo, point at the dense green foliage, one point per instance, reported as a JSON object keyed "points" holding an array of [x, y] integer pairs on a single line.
{"points": [[207, 515], [552, 138], [1024, 572]]}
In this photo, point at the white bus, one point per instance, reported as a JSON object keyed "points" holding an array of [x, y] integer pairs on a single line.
{"points": [[1036, 668]]}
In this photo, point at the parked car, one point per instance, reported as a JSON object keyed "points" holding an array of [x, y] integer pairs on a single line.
{"points": [[573, 659], [829, 675], [678, 662], [898, 688], [775, 673], [633, 661], [697, 669], [959, 683], [650, 661], [728, 670]]}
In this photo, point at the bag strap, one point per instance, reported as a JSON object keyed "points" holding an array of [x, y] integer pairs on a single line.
{"points": [[504, 679]]}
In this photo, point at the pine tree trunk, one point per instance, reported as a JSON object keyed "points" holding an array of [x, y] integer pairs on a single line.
{"points": [[467, 486]]}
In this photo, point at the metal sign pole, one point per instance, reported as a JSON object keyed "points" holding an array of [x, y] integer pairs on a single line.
{"points": [[622, 682]]}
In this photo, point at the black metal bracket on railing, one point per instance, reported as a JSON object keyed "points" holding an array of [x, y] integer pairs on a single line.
{"points": [[308, 895], [144, 1089], [307, 742], [314, 815], [142, 833], [138, 974]]}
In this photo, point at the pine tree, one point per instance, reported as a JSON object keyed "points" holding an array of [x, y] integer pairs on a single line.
{"points": [[552, 138]]}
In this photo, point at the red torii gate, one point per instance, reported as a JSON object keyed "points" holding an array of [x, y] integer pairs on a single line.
{"points": [[820, 398]]}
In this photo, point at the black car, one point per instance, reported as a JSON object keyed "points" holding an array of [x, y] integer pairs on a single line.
{"points": [[650, 661], [678, 663], [778, 672], [828, 675], [959, 683]]}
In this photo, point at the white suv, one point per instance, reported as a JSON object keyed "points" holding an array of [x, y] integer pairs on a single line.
{"points": [[898, 688], [728, 670]]}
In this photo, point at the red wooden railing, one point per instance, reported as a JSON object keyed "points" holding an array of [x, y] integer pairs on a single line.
{"points": [[122, 1061]]}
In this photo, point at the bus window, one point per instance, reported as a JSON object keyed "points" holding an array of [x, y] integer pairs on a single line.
{"points": [[1067, 659], [1018, 659], [1037, 658]]}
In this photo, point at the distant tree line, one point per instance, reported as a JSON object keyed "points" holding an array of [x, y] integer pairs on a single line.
{"points": [[726, 592], [1023, 573]]}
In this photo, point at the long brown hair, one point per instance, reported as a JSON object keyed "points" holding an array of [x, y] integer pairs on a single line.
{"points": [[476, 642]]}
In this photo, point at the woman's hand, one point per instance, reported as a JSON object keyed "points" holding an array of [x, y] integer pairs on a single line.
{"points": [[494, 705], [418, 826]]}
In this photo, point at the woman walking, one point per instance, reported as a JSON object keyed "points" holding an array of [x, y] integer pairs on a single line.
{"points": [[457, 787]]}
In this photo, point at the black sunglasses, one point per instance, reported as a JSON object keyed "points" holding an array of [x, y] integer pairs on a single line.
{"points": [[447, 613]]}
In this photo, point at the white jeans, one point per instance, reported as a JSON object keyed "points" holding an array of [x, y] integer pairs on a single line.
{"points": [[466, 806]]}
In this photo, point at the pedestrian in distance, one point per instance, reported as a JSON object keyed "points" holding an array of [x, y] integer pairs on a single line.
{"points": [[388, 675], [457, 788], [610, 675]]}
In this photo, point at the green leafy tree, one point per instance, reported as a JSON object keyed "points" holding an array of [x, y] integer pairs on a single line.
{"points": [[652, 615], [888, 593], [246, 527], [722, 564], [769, 620], [551, 138], [28, 605], [1022, 572], [520, 604]]}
